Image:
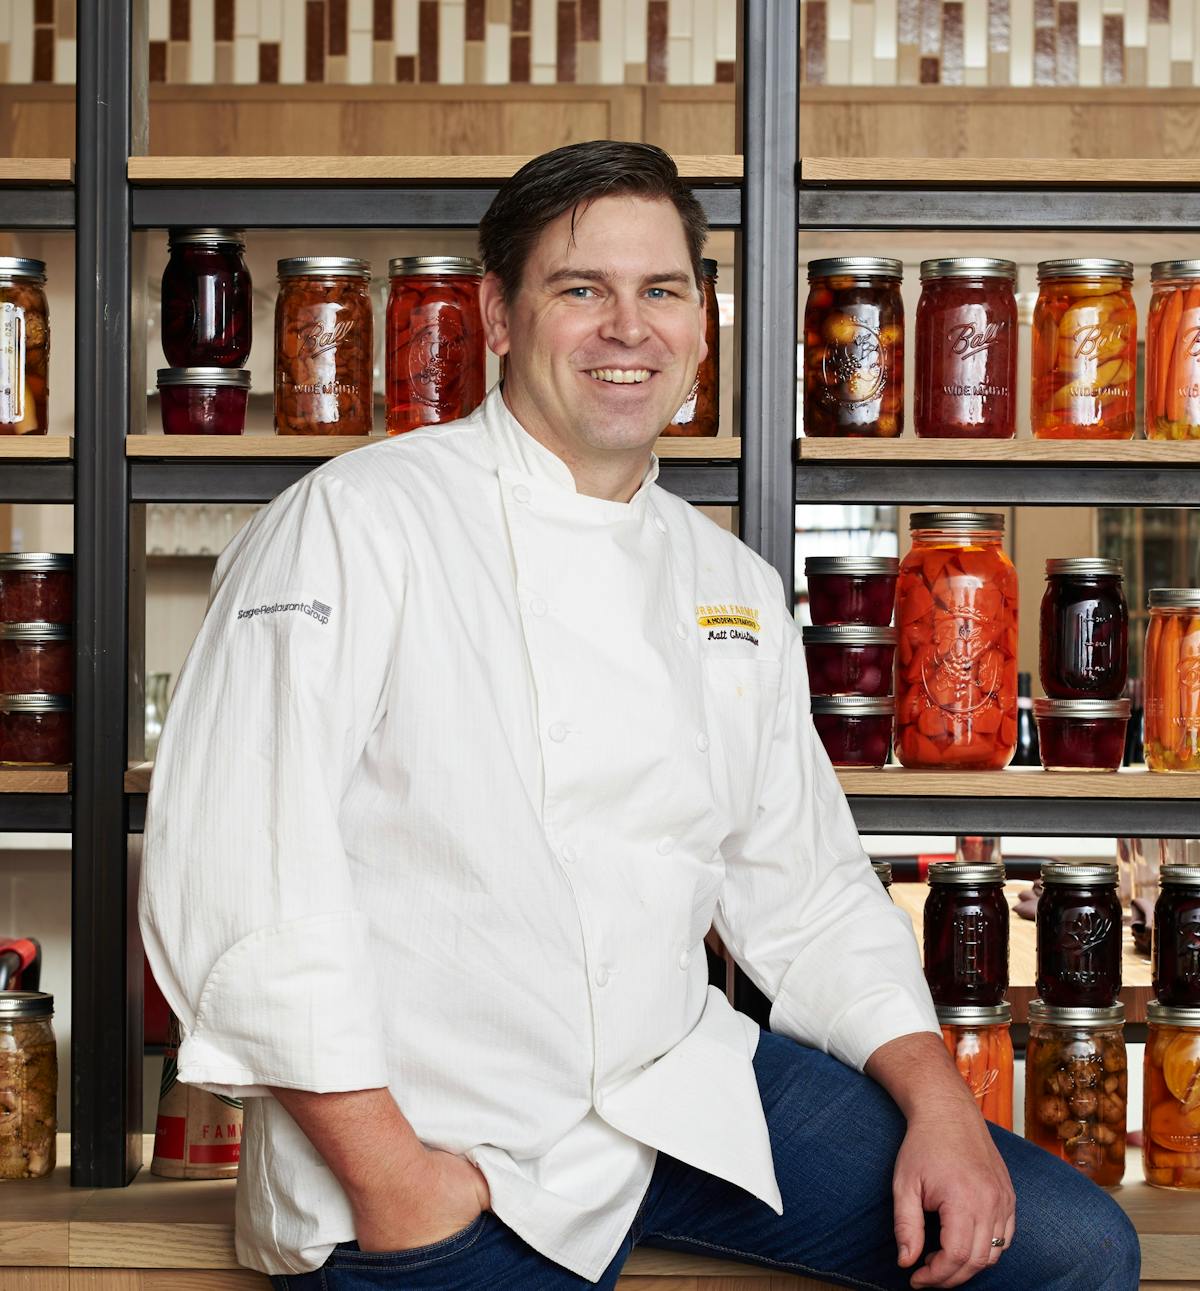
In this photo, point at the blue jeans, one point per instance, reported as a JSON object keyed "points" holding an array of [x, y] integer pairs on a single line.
{"points": [[834, 1135]]}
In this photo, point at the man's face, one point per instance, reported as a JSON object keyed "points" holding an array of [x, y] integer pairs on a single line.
{"points": [[604, 336]]}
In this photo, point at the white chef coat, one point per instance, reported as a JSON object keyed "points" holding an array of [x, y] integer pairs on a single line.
{"points": [[461, 768]]}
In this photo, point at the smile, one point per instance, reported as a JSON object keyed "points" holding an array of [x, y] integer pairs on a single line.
{"points": [[621, 376]]}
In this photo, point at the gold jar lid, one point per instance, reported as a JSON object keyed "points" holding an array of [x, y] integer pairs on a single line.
{"points": [[25, 1006]]}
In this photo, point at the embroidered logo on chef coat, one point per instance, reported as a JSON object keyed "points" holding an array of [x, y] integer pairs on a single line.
{"points": [[315, 610], [729, 622]]}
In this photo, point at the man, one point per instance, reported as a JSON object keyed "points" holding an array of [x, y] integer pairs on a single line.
{"points": [[428, 874]]}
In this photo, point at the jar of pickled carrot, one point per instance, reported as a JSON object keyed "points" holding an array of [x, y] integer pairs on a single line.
{"points": [[1084, 350], [1173, 351], [980, 1042], [1171, 670], [1171, 1097], [435, 345], [956, 658]]}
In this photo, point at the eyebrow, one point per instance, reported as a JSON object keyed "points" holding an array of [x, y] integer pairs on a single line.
{"points": [[598, 275]]}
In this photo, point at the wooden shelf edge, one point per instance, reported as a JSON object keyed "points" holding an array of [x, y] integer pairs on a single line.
{"points": [[1029, 452], [137, 777], [1107, 172], [1016, 782], [35, 779], [37, 170], [44, 448]]}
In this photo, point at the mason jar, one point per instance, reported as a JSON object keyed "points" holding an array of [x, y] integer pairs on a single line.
{"points": [[1079, 925], [28, 1085], [1173, 351], [24, 347], [1171, 1097], [965, 933], [1171, 672], [979, 1039]]}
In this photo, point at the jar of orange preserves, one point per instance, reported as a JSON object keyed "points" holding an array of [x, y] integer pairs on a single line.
{"points": [[1171, 669], [1171, 1097], [1173, 351], [1084, 350], [956, 659], [980, 1042]]}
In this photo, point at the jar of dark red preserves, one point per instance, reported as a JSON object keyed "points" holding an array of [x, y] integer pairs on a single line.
{"points": [[850, 660], [1081, 734], [966, 376], [206, 299], [435, 344], [700, 413], [854, 348], [37, 587], [24, 347], [1079, 934], [203, 401], [966, 933], [1177, 938], [36, 659], [851, 589], [36, 730], [1084, 629], [856, 730], [883, 872]]}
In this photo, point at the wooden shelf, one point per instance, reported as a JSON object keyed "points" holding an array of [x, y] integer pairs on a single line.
{"points": [[1053, 172], [37, 170], [41, 448], [1038, 452], [35, 779], [1017, 782], [137, 777]]}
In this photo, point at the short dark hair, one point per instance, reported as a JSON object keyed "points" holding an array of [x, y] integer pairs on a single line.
{"points": [[574, 176]]}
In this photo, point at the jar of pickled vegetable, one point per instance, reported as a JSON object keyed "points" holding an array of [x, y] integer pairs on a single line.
{"points": [[37, 586], [1171, 1097], [1084, 350], [854, 348], [1079, 934], [883, 872], [1084, 629], [966, 378], [851, 589], [206, 299], [956, 659], [1176, 938], [1076, 1087], [1082, 734], [28, 1085], [855, 730], [979, 1039], [701, 410], [24, 347], [1173, 351], [323, 347], [966, 933], [1171, 672], [435, 345], [849, 660]]}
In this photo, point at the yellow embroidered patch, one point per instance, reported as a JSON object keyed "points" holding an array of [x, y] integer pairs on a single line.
{"points": [[728, 616]]}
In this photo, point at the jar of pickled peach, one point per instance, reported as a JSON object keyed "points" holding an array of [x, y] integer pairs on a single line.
{"points": [[956, 658], [1084, 350], [979, 1040], [1171, 1097], [1171, 670], [1173, 351], [854, 348], [24, 347]]}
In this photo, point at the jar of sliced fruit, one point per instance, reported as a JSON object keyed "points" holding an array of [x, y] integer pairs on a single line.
{"points": [[1171, 671], [1173, 351], [1171, 1097]]}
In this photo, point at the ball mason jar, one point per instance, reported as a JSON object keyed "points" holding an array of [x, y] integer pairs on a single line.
{"points": [[207, 304], [1079, 926], [1171, 674], [965, 933], [1173, 351], [1176, 938], [24, 347], [1084, 639], [979, 1039], [28, 1085], [1171, 1097]]}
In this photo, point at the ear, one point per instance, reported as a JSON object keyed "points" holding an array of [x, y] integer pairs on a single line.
{"points": [[494, 309]]}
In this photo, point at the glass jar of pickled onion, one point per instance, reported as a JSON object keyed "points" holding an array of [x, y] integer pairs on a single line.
{"points": [[956, 658], [1171, 671], [1173, 351]]}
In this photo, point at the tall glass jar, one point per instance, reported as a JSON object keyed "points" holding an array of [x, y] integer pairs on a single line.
{"points": [[1171, 1097], [1171, 671], [979, 1040], [28, 1085], [966, 933], [24, 347], [1079, 923], [1077, 1087], [323, 347], [436, 353], [1084, 629], [1176, 938], [966, 376], [1173, 351], [956, 659], [1084, 350], [206, 299], [701, 410], [854, 348]]}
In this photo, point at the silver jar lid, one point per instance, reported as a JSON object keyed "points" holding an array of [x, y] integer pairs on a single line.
{"points": [[855, 705], [883, 872], [1081, 708], [1174, 269], [966, 873], [958, 521], [1085, 566], [1079, 874], [35, 704], [36, 562], [974, 1015], [22, 267], [239, 378], [1104, 1014], [709, 268], [849, 634], [434, 267], [21, 1006], [1084, 267], [35, 632], [178, 237], [1171, 1015], [852, 565], [968, 267], [856, 267], [323, 267], [1181, 876], [1174, 598]]}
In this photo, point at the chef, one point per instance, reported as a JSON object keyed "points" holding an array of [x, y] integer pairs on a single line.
{"points": [[456, 779]]}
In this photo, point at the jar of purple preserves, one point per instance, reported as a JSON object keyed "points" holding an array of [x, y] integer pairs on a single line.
{"points": [[206, 299]]}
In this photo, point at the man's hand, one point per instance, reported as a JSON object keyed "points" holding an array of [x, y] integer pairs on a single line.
{"points": [[947, 1163], [450, 1193]]}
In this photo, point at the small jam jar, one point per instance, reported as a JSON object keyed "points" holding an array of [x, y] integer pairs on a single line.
{"points": [[856, 730], [35, 730], [854, 348], [324, 357], [24, 347], [1084, 629], [851, 589], [850, 660], [1081, 734], [883, 872], [206, 299], [1171, 671], [1171, 1097], [1079, 934], [966, 374], [701, 411], [1176, 955], [979, 1040], [1084, 350], [1076, 1087], [1173, 351], [37, 586], [203, 401], [36, 659], [435, 346], [28, 1085], [966, 933]]}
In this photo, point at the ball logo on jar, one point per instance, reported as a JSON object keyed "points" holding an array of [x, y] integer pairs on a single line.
{"points": [[1191, 343], [970, 947], [963, 671], [1096, 340], [966, 339], [1189, 691], [318, 339], [437, 360], [855, 366]]}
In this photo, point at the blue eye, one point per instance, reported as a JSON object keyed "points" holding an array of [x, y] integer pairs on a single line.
{"points": [[658, 293], [578, 293]]}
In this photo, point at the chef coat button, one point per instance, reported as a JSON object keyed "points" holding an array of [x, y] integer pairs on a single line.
{"points": [[666, 846], [702, 742], [557, 732], [660, 524], [601, 976], [681, 630], [521, 492], [569, 854], [685, 959], [538, 607]]}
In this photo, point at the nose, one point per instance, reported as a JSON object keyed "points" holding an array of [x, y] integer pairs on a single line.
{"points": [[623, 320]]}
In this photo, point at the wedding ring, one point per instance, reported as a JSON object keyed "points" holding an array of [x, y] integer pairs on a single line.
{"points": [[998, 1242]]}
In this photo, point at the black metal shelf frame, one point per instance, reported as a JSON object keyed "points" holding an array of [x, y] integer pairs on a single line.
{"points": [[41, 207], [1078, 817]]}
